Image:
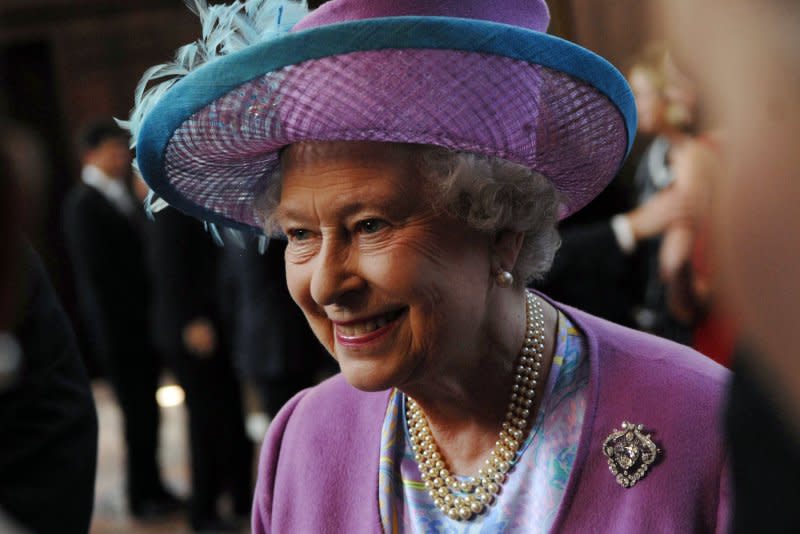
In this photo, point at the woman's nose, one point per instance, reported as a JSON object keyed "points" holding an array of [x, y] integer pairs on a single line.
{"points": [[335, 274]]}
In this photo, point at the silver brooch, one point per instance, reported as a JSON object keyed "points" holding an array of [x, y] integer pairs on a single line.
{"points": [[630, 453]]}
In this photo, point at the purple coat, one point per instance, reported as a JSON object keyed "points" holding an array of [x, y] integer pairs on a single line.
{"points": [[319, 463]]}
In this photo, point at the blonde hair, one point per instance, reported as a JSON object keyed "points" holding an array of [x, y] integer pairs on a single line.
{"points": [[657, 64]]}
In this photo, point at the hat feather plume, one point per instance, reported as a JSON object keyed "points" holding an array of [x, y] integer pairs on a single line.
{"points": [[225, 29]]}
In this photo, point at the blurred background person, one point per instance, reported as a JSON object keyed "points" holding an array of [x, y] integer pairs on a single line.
{"points": [[685, 260], [666, 114], [746, 57], [609, 260], [102, 225], [192, 320], [48, 423]]}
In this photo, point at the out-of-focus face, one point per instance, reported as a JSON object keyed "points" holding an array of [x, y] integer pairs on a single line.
{"points": [[746, 57], [651, 106], [395, 291], [112, 156]]}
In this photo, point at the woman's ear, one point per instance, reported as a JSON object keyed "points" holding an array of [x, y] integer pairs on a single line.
{"points": [[505, 249]]}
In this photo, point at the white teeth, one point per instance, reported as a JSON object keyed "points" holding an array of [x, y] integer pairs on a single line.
{"points": [[358, 329]]}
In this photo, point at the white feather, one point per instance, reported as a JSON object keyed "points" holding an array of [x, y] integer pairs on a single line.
{"points": [[225, 28]]}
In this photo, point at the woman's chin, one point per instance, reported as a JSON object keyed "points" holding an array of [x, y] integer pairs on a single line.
{"points": [[367, 378]]}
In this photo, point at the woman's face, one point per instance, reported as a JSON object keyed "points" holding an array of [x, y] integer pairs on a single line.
{"points": [[651, 105], [393, 290]]}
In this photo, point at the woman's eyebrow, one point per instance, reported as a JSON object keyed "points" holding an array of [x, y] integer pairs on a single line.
{"points": [[380, 203]]}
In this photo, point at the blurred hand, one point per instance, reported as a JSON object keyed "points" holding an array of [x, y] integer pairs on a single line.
{"points": [[199, 337], [662, 209], [675, 251]]}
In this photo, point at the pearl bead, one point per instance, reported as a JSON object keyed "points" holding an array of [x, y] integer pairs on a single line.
{"points": [[452, 513], [476, 507], [492, 488], [464, 513]]}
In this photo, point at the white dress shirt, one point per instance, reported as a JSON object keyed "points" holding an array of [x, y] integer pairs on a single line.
{"points": [[111, 188]]}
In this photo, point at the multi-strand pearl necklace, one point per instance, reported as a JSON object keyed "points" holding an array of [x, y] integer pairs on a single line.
{"points": [[461, 500]]}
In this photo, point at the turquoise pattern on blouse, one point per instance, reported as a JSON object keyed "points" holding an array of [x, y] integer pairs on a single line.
{"points": [[532, 494]]}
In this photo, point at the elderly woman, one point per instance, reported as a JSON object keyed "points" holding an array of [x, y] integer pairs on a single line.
{"points": [[417, 156]]}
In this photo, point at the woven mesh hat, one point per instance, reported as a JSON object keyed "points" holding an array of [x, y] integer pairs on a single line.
{"points": [[467, 75]]}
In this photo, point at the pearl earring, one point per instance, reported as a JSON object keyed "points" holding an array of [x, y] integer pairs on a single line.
{"points": [[504, 278]]}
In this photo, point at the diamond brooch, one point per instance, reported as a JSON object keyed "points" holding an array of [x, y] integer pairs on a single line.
{"points": [[630, 453]]}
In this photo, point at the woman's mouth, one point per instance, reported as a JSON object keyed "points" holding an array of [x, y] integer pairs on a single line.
{"points": [[357, 332]]}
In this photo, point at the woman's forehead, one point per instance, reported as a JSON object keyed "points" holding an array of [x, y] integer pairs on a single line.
{"points": [[347, 176]]}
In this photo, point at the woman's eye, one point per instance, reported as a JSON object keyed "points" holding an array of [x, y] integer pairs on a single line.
{"points": [[298, 234], [370, 226]]}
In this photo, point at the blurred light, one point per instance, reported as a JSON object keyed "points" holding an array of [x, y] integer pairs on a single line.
{"points": [[256, 425], [10, 360], [170, 396]]}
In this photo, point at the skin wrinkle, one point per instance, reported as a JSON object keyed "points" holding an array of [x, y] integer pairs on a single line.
{"points": [[454, 346]]}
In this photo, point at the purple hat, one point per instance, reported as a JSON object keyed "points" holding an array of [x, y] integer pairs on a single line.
{"points": [[468, 75]]}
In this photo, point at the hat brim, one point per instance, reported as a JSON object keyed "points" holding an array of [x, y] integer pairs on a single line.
{"points": [[208, 146]]}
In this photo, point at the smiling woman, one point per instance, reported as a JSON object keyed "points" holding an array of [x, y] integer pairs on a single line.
{"points": [[419, 190], [371, 265]]}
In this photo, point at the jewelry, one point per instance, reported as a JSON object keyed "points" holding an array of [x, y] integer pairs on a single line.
{"points": [[630, 453], [461, 500], [504, 278]]}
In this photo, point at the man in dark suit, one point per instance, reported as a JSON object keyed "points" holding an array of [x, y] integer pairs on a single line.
{"points": [[192, 327], [107, 251]]}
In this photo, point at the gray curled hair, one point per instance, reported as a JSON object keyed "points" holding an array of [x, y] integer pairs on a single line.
{"points": [[489, 194]]}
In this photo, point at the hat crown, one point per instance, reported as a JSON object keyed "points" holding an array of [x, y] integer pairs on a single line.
{"points": [[530, 14]]}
